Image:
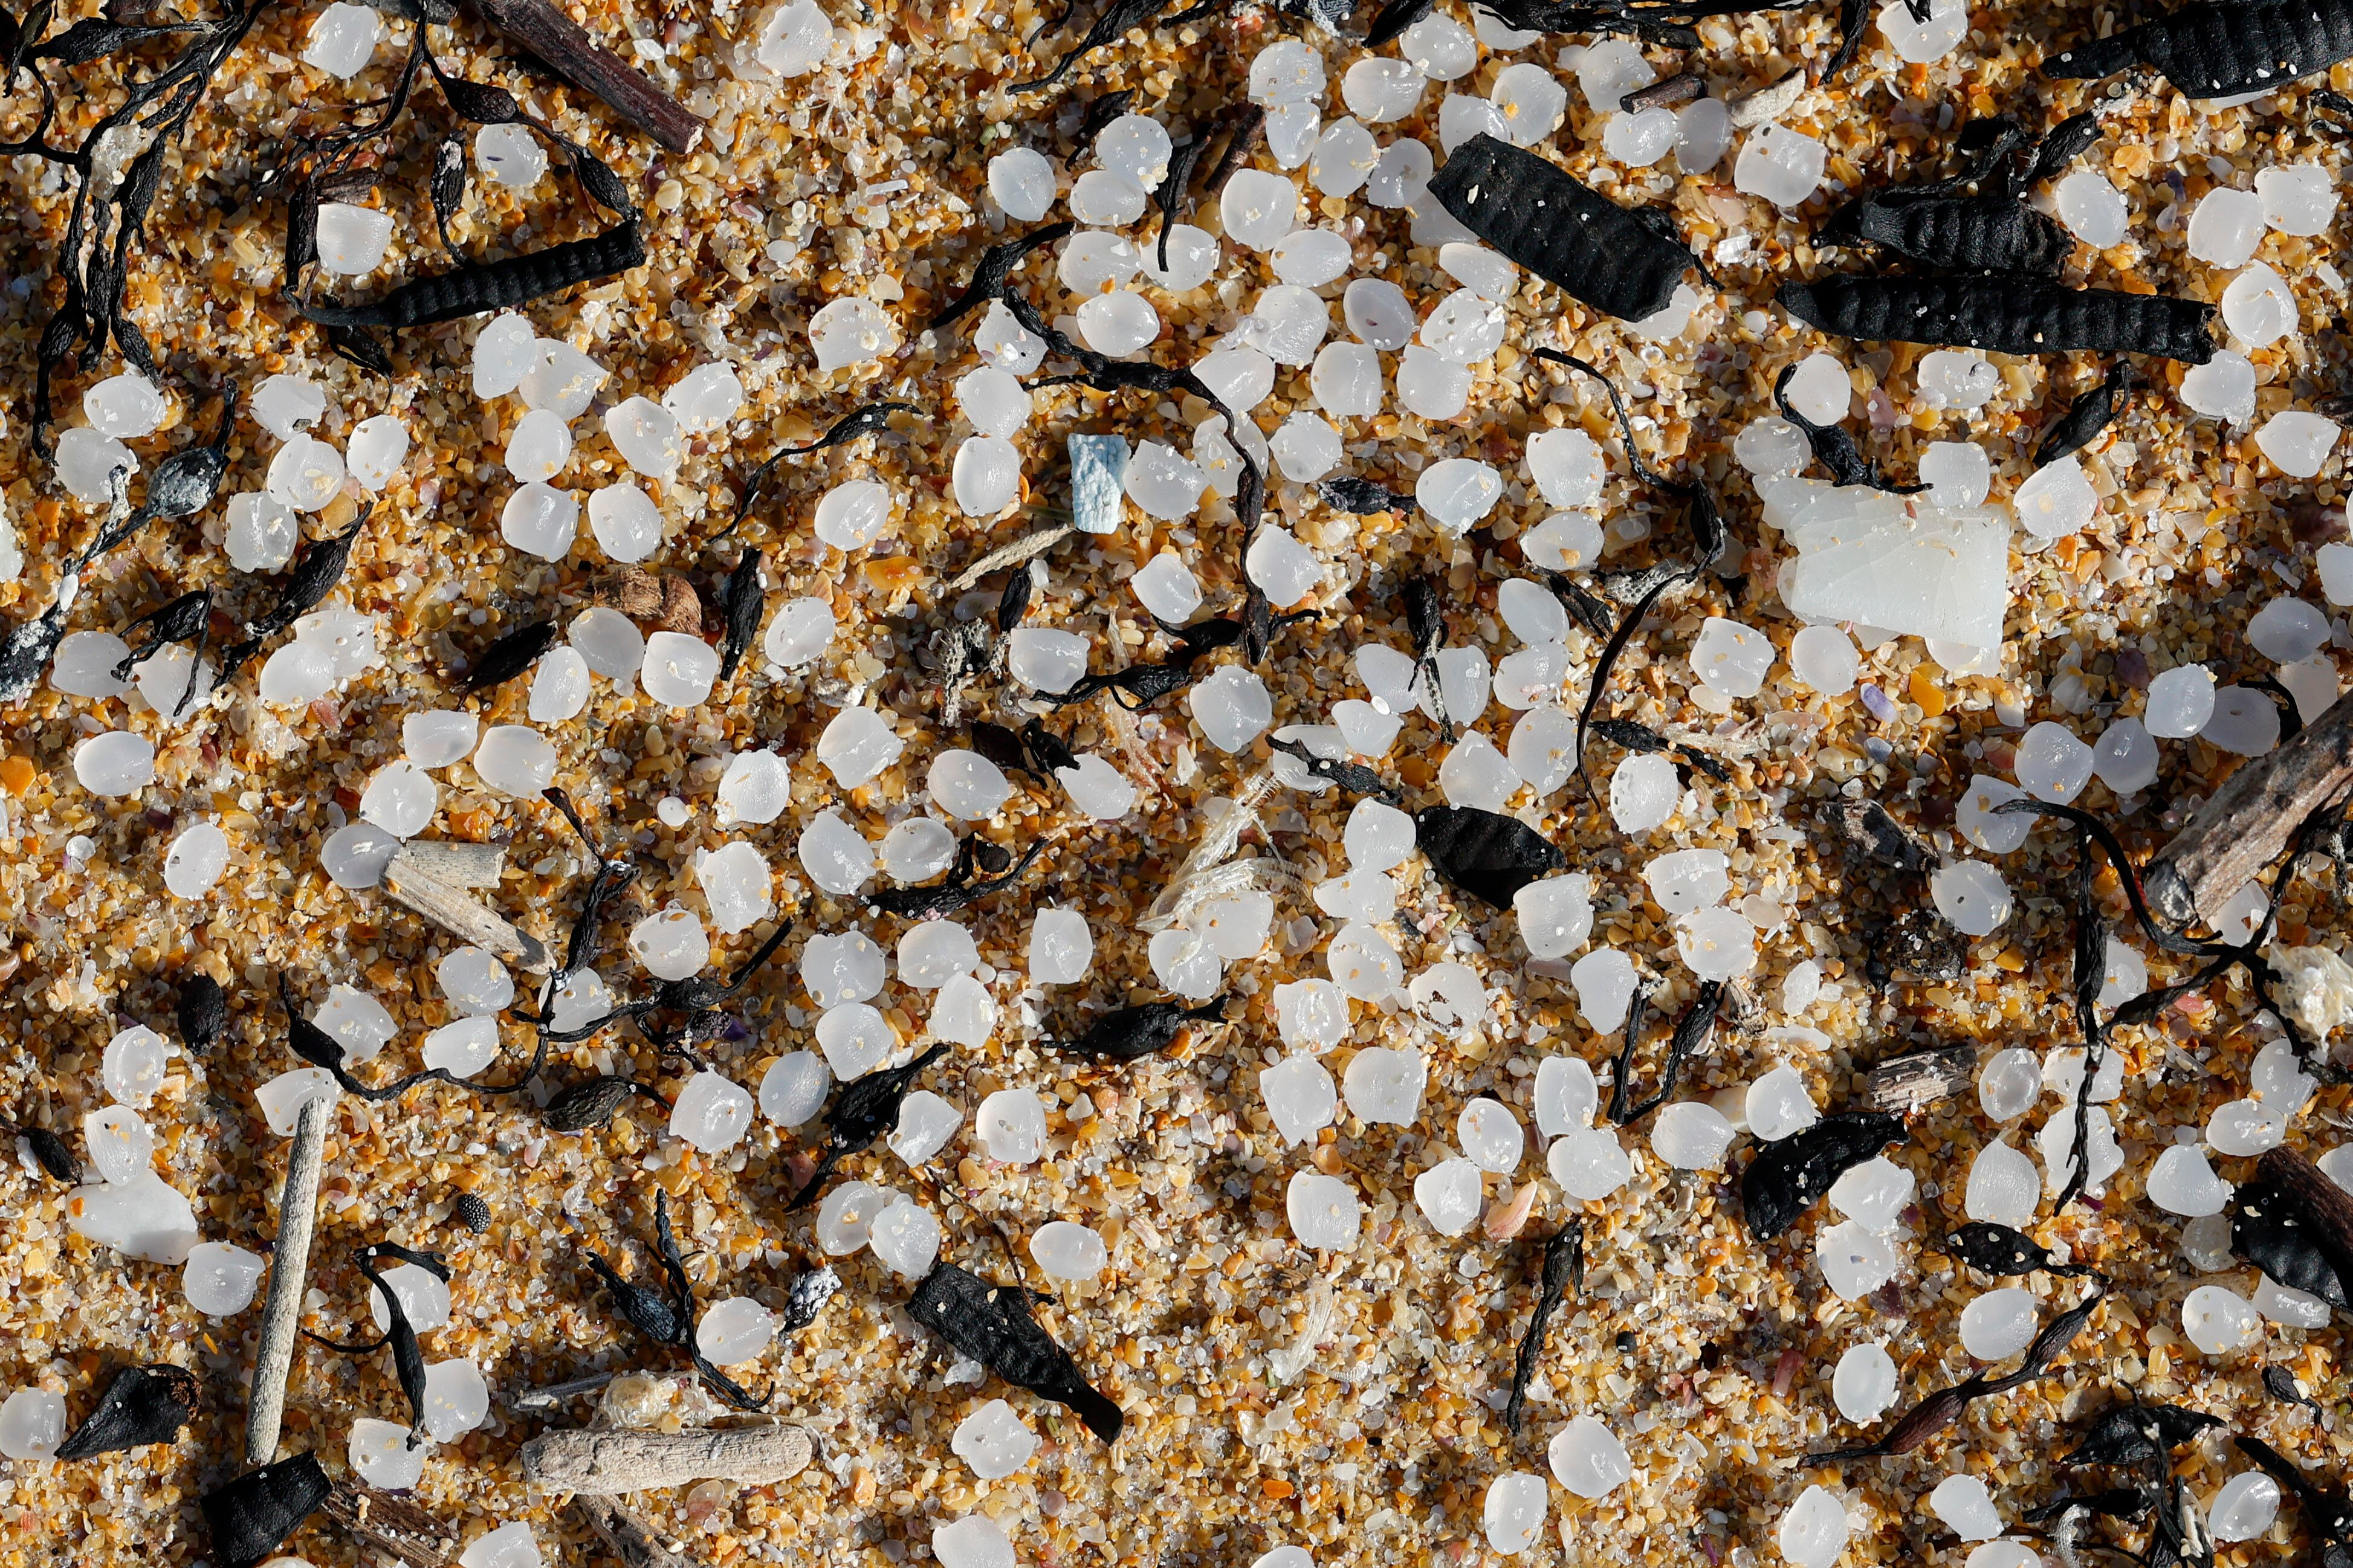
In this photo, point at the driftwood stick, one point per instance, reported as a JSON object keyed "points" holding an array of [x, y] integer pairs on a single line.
{"points": [[631, 1537], [551, 1395], [607, 1464], [393, 1525], [414, 886], [2325, 1206], [1919, 1079], [289, 1263], [454, 860], [539, 26], [2247, 824], [1028, 547]]}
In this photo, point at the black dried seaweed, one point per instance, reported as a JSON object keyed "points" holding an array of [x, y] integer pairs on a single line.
{"points": [[697, 999], [740, 603], [804, 1298], [670, 1321], [1484, 853], [863, 1110], [1424, 621], [1002, 746], [249, 1517], [993, 274], [1870, 829], [184, 620], [592, 1103], [314, 576], [184, 484], [960, 889], [1353, 777], [1833, 448], [1100, 111], [2219, 48], [49, 1152], [472, 1211], [1361, 497], [143, 1405], [1133, 1033], [1117, 17], [1174, 199], [508, 656], [1583, 602], [1048, 753], [2136, 1434], [1624, 262], [1789, 1174], [613, 874], [1978, 221], [1393, 18], [2270, 1230], [2005, 315], [2085, 417], [2115, 1502], [992, 1324], [2326, 1511], [203, 1012], [2283, 1385], [1942, 1408], [1691, 1033], [2005, 1252], [1563, 1271], [1013, 600], [407, 1353]]}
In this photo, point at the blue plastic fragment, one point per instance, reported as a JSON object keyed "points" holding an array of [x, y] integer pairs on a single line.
{"points": [[1098, 472]]}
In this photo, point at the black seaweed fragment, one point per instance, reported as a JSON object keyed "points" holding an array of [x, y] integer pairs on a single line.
{"points": [[992, 1324], [991, 275], [2283, 1385], [2005, 1252], [1361, 498], [1425, 622], [472, 1211], [2219, 48], [1174, 199], [1393, 18], [697, 999], [591, 1104], [203, 1012], [187, 619], [2005, 315], [960, 887], [184, 484], [1869, 827], [1353, 777], [1112, 26], [1048, 753], [1133, 1033], [49, 1152], [2326, 1511], [2270, 1230], [670, 1320], [508, 656], [1833, 448], [249, 1517], [1484, 853], [740, 603], [863, 1110], [1563, 1271], [2134, 1433], [143, 1405], [407, 1353], [1978, 221], [1789, 1174], [1691, 1033], [1100, 111], [2086, 416], [314, 576]]}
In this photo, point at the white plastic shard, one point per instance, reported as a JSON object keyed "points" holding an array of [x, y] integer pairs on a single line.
{"points": [[2244, 721], [2003, 1186], [905, 1237], [2298, 198], [2298, 442], [1311, 1015], [2244, 1507], [343, 39], [1449, 1195], [87, 464], [2222, 388], [1864, 1383], [1384, 1085], [1962, 1501], [1866, 556], [1324, 1211], [1924, 43], [1233, 707], [1825, 658], [1854, 1261], [2226, 226], [2093, 210], [219, 1279], [145, 1219], [116, 763], [1813, 1533], [1731, 659], [1066, 1250], [1999, 1323], [795, 1089], [1300, 1098], [733, 1331], [1691, 1135], [1011, 1126], [1781, 165], [351, 239], [994, 1441], [1604, 981], [975, 1541], [1021, 181], [851, 331]]}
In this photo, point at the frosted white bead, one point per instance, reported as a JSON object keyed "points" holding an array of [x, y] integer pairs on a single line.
{"points": [[1556, 915], [355, 856], [2008, 1084], [1167, 588], [2126, 757], [1604, 987], [1684, 881], [464, 1047], [1286, 71], [2244, 1508], [1530, 101], [1730, 658], [2093, 210], [1781, 166], [836, 856], [967, 784], [1233, 707], [734, 1330], [1513, 1511], [1691, 1135], [856, 1039], [993, 1441], [2003, 1186], [906, 1237], [2218, 1320], [1005, 343], [1061, 948], [1449, 1195], [1972, 895], [802, 630], [1461, 118], [843, 1217], [1962, 1501], [1345, 154], [515, 760], [2222, 388], [1777, 1104], [1022, 182], [734, 879], [842, 968], [124, 407], [122, 1147], [1382, 90], [857, 745], [540, 519], [351, 239], [975, 1541], [2258, 307], [342, 40], [933, 953], [474, 981], [1863, 1385], [1491, 1136], [1311, 1015], [2226, 226], [1259, 207], [1310, 258], [195, 860], [1324, 1211], [381, 1456], [1465, 329], [511, 1545], [2244, 721], [1476, 774], [705, 398], [219, 1279], [1118, 323], [756, 788], [794, 1088], [1999, 1323], [2298, 198], [1068, 1251], [670, 943], [1457, 493], [1588, 1459], [1853, 1260], [1011, 1126], [848, 332], [1164, 482], [134, 1064], [1431, 387]]}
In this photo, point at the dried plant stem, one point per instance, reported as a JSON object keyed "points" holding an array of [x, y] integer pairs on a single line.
{"points": [[2247, 824], [415, 884], [632, 1539], [297, 1212], [608, 1463], [1913, 1082], [393, 1525], [580, 59]]}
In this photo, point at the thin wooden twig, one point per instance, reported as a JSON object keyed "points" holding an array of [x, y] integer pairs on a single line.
{"points": [[632, 1539], [290, 1262], [452, 861], [596, 1463], [2247, 824], [413, 884], [393, 1525], [539, 26]]}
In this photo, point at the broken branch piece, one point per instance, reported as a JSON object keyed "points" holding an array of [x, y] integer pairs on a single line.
{"points": [[609, 1464]]}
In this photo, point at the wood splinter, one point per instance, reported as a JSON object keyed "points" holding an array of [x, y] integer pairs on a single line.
{"points": [[1912, 1082], [2246, 826], [297, 1212], [393, 1525], [413, 882], [570, 53], [609, 1464], [632, 1540]]}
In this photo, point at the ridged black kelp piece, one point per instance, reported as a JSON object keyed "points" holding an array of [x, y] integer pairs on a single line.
{"points": [[203, 1012], [1592, 249], [1563, 1271], [249, 1517], [995, 271], [1393, 18], [1013, 600], [2268, 1229], [991, 1323], [2005, 1252], [472, 1211], [49, 1151], [2136, 1434], [1100, 111], [306, 588], [1833, 448], [1873, 832], [2221, 48], [508, 656], [2005, 315], [1353, 777], [1689, 1035], [930, 904], [863, 1110], [804, 1298], [741, 602], [143, 1405], [1361, 497], [1957, 229], [2086, 416], [477, 289], [1790, 1174], [1484, 853], [1943, 1408], [1133, 1033], [669, 1320], [592, 1103]]}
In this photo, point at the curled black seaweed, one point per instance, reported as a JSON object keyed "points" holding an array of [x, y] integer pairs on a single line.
{"points": [[1361, 497], [2085, 417], [961, 887], [2134, 1433], [740, 603], [2271, 1230], [670, 1321], [696, 1000], [1789, 1174], [992, 1324], [249, 1517], [1133, 1033], [2005, 1252], [177, 622], [993, 272], [143, 1405], [1691, 1034], [2283, 1385], [508, 656], [863, 1110], [407, 1353], [314, 576], [1833, 448], [1563, 1271], [1353, 777], [1482, 853], [1112, 25], [1978, 221]]}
